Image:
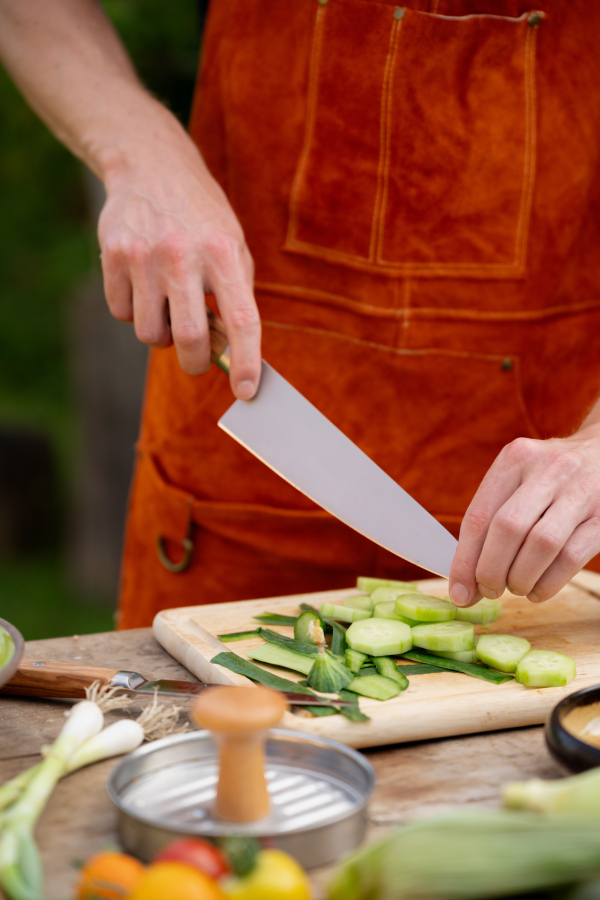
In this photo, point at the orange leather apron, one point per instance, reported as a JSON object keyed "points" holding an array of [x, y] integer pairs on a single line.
{"points": [[419, 189]]}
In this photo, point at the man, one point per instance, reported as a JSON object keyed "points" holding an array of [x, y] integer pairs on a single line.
{"points": [[418, 190]]}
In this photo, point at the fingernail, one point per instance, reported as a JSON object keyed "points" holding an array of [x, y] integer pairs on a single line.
{"points": [[459, 594], [491, 595], [245, 390], [533, 597]]}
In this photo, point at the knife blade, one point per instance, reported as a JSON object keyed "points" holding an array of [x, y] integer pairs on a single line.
{"points": [[44, 678], [291, 436]]}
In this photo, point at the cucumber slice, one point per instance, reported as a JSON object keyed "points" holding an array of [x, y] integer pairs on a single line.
{"points": [[384, 594], [368, 585], [354, 660], [343, 613], [386, 609], [502, 651], [308, 628], [444, 636], [278, 655], [377, 687], [545, 668], [485, 611], [468, 656], [328, 674], [424, 608], [360, 601], [379, 637], [388, 668]]}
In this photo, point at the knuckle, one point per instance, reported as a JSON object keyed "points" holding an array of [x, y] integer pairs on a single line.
{"points": [[149, 334], [574, 556], [189, 336], [475, 521], [245, 318], [509, 523], [547, 541], [520, 449], [224, 249], [137, 251]]}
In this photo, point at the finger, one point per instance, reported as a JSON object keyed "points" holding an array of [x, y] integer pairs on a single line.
{"points": [[242, 324], [117, 286], [189, 326], [150, 308], [507, 533], [544, 543], [500, 482], [583, 544]]}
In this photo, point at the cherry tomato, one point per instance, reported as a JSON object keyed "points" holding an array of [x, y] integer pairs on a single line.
{"points": [[195, 852]]}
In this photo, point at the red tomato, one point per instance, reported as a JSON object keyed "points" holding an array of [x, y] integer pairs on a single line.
{"points": [[195, 852]]}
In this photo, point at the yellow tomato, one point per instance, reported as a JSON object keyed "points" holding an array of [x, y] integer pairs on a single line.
{"points": [[275, 876], [175, 881]]}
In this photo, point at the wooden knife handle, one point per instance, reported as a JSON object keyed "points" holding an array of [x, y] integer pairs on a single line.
{"points": [[219, 345], [40, 678]]}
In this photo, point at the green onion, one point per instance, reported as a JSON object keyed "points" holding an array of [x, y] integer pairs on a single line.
{"points": [[576, 794], [236, 663], [238, 635], [299, 646], [471, 856], [455, 666], [275, 619]]}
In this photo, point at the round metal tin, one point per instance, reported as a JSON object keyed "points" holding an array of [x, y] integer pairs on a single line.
{"points": [[319, 791]]}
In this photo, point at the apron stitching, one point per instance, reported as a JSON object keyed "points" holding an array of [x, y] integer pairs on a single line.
{"points": [[388, 135], [384, 125], [406, 314], [425, 312], [530, 147], [315, 57], [397, 351]]}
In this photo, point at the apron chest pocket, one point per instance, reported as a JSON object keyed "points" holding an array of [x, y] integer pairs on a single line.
{"points": [[419, 147]]}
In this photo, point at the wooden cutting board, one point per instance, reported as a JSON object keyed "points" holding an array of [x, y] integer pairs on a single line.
{"points": [[434, 705]]}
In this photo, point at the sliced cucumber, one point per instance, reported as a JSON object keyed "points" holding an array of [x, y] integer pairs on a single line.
{"points": [[502, 651], [328, 674], [388, 668], [360, 601], [354, 660], [424, 608], [384, 594], [485, 611], [444, 636], [468, 656], [343, 613], [545, 668], [379, 637], [368, 585], [377, 687], [278, 655], [386, 609], [308, 628]]}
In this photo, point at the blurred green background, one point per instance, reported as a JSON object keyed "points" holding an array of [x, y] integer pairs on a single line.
{"points": [[48, 251]]}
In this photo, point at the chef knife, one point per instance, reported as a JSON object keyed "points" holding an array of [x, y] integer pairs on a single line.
{"points": [[291, 436], [43, 678]]}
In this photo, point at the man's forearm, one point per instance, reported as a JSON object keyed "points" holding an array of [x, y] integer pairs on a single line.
{"points": [[71, 66]]}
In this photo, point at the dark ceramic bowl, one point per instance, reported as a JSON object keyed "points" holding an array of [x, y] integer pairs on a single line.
{"points": [[569, 751], [7, 671]]}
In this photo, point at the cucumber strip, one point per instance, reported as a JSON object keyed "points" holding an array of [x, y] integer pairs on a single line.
{"points": [[352, 712], [273, 637], [386, 609], [338, 637], [368, 670], [481, 613], [377, 687], [241, 666], [502, 651], [388, 668], [444, 636], [368, 585], [354, 660], [360, 601], [308, 627], [379, 637], [545, 668], [419, 669], [278, 655], [343, 613], [328, 675], [468, 656], [464, 668], [275, 619], [238, 635], [322, 710], [424, 608]]}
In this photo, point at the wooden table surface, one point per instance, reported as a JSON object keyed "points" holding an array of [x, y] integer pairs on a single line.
{"points": [[413, 780]]}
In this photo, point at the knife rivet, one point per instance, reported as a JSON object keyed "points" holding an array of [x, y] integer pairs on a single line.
{"points": [[507, 364], [38, 662]]}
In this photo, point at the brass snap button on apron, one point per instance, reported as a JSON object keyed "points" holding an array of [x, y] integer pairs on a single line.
{"points": [[399, 13], [534, 19], [507, 364]]}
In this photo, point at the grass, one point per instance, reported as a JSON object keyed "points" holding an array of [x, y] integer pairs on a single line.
{"points": [[35, 597]]}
